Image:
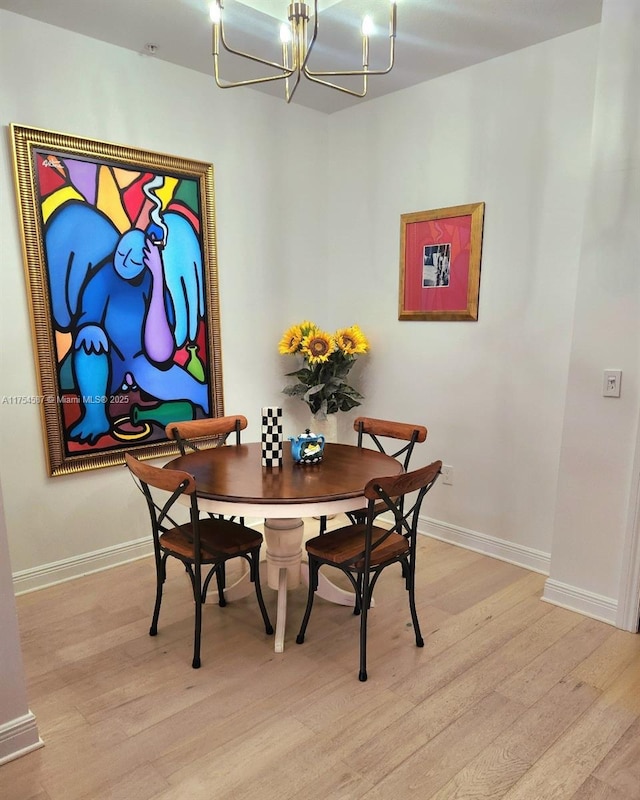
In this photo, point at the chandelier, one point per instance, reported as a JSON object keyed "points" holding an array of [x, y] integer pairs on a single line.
{"points": [[298, 38]]}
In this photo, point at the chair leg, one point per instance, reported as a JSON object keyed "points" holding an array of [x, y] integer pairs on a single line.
{"points": [[221, 580], [197, 598], [365, 600], [196, 644], [323, 526], [161, 575], [314, 568], [254, 573], [411, 568]]}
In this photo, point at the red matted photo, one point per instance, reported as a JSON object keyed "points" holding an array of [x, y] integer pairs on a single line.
{"points": [[440, 254]]}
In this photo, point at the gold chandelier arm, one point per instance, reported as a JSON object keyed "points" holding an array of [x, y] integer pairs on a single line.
{"points": [[249, 82], [357, 72], [365, 71], [217, 35], [354, 72], [235, 52], [290, 92], [344, 89], [309, 46]]}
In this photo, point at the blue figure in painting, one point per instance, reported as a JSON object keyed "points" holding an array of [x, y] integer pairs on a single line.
{"points": [[129, 301]]}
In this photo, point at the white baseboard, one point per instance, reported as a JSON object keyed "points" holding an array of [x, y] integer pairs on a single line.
{"points": [[534, 560], [28, 580], [590, 604], [18, 737]]}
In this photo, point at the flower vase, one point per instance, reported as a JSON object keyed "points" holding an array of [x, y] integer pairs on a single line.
{"points": [[326, 425]]}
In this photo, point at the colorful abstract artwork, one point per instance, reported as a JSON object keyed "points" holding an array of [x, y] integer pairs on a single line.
{"points": [[440, 254], [121, 274]]}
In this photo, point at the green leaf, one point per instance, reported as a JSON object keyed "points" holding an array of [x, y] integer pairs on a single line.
{"points": [[294, 390], [323, 386]]}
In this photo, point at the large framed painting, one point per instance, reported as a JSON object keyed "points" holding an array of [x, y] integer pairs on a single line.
{"points": [[120, 262], [440, 254]]}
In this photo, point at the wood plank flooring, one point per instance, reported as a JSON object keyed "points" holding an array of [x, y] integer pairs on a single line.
{"points": [[510, 698]]}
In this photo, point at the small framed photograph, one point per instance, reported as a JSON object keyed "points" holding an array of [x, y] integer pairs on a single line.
{"points": [[440, 255]]}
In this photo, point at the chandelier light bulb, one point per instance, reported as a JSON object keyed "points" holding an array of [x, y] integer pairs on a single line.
{"points": [[214, 13], [367, 26], [285, 33]]}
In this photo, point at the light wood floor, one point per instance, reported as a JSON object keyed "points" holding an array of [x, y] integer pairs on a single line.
{"points": [[510, 698]]}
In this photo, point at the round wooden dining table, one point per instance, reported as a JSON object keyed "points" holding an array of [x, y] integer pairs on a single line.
{"points": [[231, 480]]}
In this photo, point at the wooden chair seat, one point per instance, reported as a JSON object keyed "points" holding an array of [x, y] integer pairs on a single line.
{"points": [[344, 545], [219, 539]]}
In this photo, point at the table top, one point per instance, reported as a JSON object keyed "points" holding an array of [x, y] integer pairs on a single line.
{"points": [[233, 479]]}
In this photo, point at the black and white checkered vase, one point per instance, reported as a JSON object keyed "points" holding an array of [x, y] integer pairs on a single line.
{"points": [[271, 436]]}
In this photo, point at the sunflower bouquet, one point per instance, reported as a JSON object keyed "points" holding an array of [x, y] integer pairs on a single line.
{"points": [[321, 382]]}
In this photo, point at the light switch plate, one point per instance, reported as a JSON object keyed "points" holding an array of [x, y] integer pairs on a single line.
{"points": [[611, 383]]}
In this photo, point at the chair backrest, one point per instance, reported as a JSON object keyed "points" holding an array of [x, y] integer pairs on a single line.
{"points": [[215, 430], [382, 429], [389, 490], [173, 482]]}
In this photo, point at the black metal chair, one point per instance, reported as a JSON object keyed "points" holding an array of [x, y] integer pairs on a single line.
{"points": [[200, 542], [363, 550], [385, 435]]}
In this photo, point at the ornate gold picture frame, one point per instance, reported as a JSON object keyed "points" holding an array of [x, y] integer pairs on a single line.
{"points": [[121, 274]]}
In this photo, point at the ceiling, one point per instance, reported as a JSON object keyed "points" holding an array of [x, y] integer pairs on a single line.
{"points": [[434, 37]]}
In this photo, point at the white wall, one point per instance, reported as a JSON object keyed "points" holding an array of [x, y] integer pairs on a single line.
{"points": [[515, 133], [267, 189]]}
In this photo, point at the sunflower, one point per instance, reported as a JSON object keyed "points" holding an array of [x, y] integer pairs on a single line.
{"points": [[308, 327], [291, 339], [317, 346], [351, 340]]}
